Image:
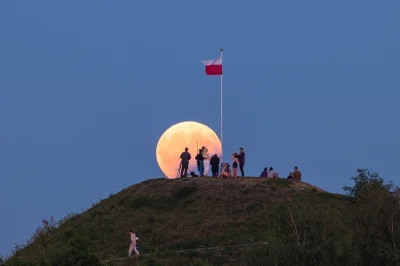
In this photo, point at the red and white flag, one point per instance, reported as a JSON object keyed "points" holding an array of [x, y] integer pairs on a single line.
{"points": [[214, 66]]}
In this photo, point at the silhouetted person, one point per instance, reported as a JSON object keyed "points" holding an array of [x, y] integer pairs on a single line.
{"points": [[241, 158], [199, 158], [193, 174], [290, 176], [264, 173], [214, 162], [296, 174], [185, 158]]}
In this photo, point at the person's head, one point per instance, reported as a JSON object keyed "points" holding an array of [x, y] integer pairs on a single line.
{"points": [[131, 231], [241, 149], [296, 168], [265, 168], [215, 155], [271, 168], [200, 150], [186, 149]]}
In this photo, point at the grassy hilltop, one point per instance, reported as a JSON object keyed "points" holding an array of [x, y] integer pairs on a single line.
{"points": [[208, 221]]}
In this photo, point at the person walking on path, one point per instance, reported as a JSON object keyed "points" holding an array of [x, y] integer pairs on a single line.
{"points": [[185, 158], [235, 164], [132, 247], [214, 162], [241, 158]]}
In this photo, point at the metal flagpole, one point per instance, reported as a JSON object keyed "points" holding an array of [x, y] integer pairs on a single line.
{"points": [[220, 51]]}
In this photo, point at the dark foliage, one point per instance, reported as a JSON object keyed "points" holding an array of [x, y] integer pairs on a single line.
{"points": [[249, 221], [76, 253]]}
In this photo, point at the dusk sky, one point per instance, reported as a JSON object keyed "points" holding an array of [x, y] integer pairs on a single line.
{"points": [[88, 87]]}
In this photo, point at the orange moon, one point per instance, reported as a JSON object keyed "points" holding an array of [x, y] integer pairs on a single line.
{"points": [[185, 134]]}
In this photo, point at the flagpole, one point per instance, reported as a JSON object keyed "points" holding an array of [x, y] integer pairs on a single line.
{"points": [[220, 51]]}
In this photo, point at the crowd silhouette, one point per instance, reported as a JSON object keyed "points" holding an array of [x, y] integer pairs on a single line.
{"points": [[224, 169]]}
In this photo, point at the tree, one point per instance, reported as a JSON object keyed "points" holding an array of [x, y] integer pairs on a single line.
{"points": [[366, 182], [376, 215]]}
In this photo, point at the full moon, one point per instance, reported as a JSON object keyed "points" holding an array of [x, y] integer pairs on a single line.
{"points": [[176, 138]]}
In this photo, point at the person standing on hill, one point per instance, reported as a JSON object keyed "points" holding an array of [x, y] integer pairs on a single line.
{"points": [[296, 174], [241, 158], [235, 164], [132, 247], [199, 158], [206, 161], [214, 162], [185, 158]]}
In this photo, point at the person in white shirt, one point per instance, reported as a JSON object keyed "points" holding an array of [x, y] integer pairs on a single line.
{"points": [[271, 173], [132, 247], [206, 161]]}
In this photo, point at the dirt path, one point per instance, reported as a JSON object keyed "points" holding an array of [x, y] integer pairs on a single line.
{"points": [[188, 250]]}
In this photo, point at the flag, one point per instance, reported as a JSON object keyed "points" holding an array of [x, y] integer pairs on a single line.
{"points": [[214, 66]]}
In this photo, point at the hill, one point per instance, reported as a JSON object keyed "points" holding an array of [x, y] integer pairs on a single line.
{"points": [[208, 221]]}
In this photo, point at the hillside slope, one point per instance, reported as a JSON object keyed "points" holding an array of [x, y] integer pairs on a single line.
{"points": [[247, 221]]}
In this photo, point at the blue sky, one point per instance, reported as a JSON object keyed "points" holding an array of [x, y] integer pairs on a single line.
{"points": [[88, 87]]}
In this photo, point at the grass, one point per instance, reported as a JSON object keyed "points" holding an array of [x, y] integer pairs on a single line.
{"points": [[185, 214]]}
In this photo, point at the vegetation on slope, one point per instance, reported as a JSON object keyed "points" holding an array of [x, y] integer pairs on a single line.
{"points": [[208, 221]]}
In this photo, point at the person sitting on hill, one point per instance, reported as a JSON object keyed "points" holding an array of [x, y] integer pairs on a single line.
{"points": [[296, 174], [290, 176], [264, 173], [226, 170], [193, 174], [271, 173]]}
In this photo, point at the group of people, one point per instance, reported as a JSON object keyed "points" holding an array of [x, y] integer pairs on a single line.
{"points": [[205, 162], [295, 175]]}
